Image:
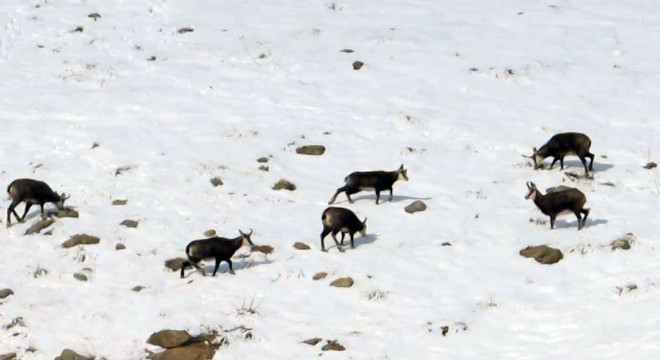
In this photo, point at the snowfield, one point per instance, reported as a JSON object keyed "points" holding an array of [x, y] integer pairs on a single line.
{"points": [[175, 93]]}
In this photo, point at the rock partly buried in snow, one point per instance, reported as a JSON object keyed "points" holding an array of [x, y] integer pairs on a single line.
{"points": [[284, 185], [312, 341], [174, 264], [67, 213], [5, 293], [543, 254], [119, 202], [137, 288], [80, 276], [333, 345], [301, 246], [415, 206], [120, 246], [264, 249], [189, 352], [262, 160], [210, 233], [320, 275], [68, 354], [130, 223], [344, 282], [81, 239], [624, 243], [169, 338], [650, 165], [357, 65], [39, 225], [8, 356], [311, 150]]}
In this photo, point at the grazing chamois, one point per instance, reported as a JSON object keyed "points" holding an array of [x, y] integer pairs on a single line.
{"points": [[218, 248], [367, 180], [560, 145], [32, 192], [560, 200], [337, 219]]}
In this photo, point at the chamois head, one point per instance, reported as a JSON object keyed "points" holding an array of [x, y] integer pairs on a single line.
{"points": [[363, 232], [537, 158], [531, 193], [60, 203], [245, 238], [402, 173]]}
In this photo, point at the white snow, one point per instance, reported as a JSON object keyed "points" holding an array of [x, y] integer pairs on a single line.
{"points": [[455, 90]]}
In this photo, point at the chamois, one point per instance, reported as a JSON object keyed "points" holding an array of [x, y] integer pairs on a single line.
{"points": [[31, 192], [337, 219], [365, 180], [560, 200], [560, 145], [221, 249]]}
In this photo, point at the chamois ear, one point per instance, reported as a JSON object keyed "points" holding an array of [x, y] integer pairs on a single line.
{"points": [[64, 196], [401, 167], [364, 222], [535, 151]]}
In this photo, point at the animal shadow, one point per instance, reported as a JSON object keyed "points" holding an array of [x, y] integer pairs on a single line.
{"points": [[358, 240], [565, 224], [385, 198]]}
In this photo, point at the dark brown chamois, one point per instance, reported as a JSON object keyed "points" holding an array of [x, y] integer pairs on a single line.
{"points": [[560, 145], [218, 248], [335, 220], [370, 180], [560, 200], [32, 192]]}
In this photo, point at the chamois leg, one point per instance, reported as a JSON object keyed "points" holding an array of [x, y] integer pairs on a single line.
{"points": [[12, 210], [580, 223], [391, 196], [334, 197], [554, 161], [342, 237], [561, 162], [334, 237], [552, 221], [324, 233], [217, 265], [352, 243], [349, 192], [377, 196], [231, 267], [584, 219], [28, 205], [591, 162]]}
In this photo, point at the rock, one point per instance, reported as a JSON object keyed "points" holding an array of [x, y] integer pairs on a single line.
{"points": [[216, 181], [624, 242], [210, 233], [68, 354], [284, 185], [39, 225], [67, 213], [120, 246], [119, 202], [319, 275], [8, 356], [174, 264], [169, 338], [311, 150], [80, 276], [344, 282], [137, 288], [333, 345], [94, 16], [264, 168], [80, 239], [301, 246], [312, 341], [357, 65], [5, 293], [262, 159], [190, 352], [264, 249], [650, 165], [543, 254], [129, 223], [415, 206]]}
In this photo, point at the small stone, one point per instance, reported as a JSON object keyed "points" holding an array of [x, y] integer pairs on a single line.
{"points": [[67, 213], [357, 65], [169, 338], [543, 254], [39, 225], [119, 202], [216, 181], [262, 159], [348, 51], [264, 168], [80, 239], [344, 282], [621, 244], [415, 206], [138, 288], [5, 293], [445, 330], [264, 249], [94, 16], [320, 276], [130, 223], [210, 233], [174, 264], [312, 341], [68, 354], [333, 345], [80, 276], [120, 246], [185, 29], [301, 246], [650, 165], [284, 185], [311, 150], [8, 356]]}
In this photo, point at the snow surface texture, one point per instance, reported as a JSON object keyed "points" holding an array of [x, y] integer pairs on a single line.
{"points": [[455, 90]]}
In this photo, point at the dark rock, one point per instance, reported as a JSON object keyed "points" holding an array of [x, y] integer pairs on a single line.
{"points": [[264, 168], [174, 264], [415, 206], [320, 275], [80, 239], [262, 159], [94, 16], [650, 165], [120, 246], [301, 246], [333, 345], [344, 282], [5, 293], [169, 338], [130, 223], [138, 288], [119, 202], [39, 225], [284, 185], [80, 276], [185, 29], [311, 150], [357, 65], [312, 341], [543, 254], [68, 354], [216, 181]]}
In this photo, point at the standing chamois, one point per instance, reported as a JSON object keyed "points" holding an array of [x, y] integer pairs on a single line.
{"points": [[560, 145], [32, 192], [337, 219], [562, 199], [221, 249], [367, 180]]}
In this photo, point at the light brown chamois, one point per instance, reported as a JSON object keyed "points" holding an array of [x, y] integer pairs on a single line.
{"points": [[218, 248], [562, 199], [31, 192], [370, 180], [337, 219]]}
